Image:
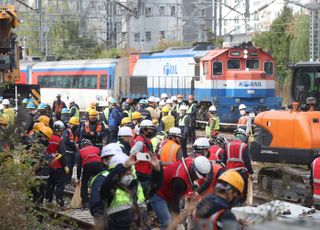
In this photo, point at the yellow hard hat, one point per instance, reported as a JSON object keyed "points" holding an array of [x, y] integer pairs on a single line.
{"points": [[88, 109], [74, 121], [125, 120], [93, 112], [233, 178], [3, 120], [165, 109], [136, 115], [37, 126], [46, 131], [44, 119]]}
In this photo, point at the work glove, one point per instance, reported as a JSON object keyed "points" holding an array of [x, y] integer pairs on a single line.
{"points": [[66, 169]]}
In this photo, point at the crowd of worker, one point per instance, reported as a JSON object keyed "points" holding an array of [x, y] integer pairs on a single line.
{"points": [[134, 157]]}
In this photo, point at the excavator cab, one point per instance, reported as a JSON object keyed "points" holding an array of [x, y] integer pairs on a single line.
{"points": [[287, 141]]}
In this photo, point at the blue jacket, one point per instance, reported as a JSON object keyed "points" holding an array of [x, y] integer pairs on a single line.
{"points": [[115, 118]]}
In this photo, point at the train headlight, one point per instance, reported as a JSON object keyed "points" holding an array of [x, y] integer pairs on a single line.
{"points": [[261, 100], [245, 51], [245, 56]]}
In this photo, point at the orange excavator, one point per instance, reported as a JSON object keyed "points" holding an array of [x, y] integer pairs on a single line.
{"points": [[287, 141]]}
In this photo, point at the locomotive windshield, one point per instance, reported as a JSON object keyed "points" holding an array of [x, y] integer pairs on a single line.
{"points": [[306, 83]]}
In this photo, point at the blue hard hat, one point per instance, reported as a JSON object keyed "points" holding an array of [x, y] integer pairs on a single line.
{"points": [[25, 101], [30, 105], [143, 102], [42, 106], [64, 111], [32, 100]]}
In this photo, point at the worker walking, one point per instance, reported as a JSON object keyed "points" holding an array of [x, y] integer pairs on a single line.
{"points": [[192, 112], [185, 125], [213, 126], [315, 182], [125, 139], [70, 138], [126, 199], [90, 162], [167, 121], [57, 106], [115, 118], [178, 180], [214, 211], [97, 206], [244, 121], [8, 111], [58, 166], [142, 144], [93, 129], [170, 151], [237, 157]]}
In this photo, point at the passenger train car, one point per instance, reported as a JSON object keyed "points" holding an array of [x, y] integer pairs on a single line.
{"points": [[225, 77]]}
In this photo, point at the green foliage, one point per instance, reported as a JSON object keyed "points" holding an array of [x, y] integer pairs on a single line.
{"points": [[165, 44], [288, 41], [111, 53]]}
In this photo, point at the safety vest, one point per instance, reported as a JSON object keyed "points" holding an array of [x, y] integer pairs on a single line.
{"points": [[10, 114], [58, 107], [210, 223], [182, 121], [106, 112], [71, 136], [168, 122], [316, 178], [190, 108], [168, 152], [77, 113], [126, 112], [215, 152], [93, 179], [52, 149], [122, 199], [90, 154], [156, 142], [243, 120], [209, 131], [143, 167], [235, 152], [215, 169], [87, 127]]}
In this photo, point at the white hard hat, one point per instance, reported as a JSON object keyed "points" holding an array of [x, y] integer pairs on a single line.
{"points": [[174, 131], [111, 149], [174, 98], [202, 166], [117, 159], [6, 102], [183, 107], [125, 132], [212, 108], [157, 99], [152, 99], [169, 101], [146, 124], [242, 106], [201, 143], [239, 131], [1, 107], [59, 125], [164, 95], [162, 103], [71, 100]]}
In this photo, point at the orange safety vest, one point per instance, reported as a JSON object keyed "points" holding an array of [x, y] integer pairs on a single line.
{"points": [[210, 223], [316, 178], [57, 107], [215, 168], [71, 136], [87, 127], [168, 152], [243, 120]]}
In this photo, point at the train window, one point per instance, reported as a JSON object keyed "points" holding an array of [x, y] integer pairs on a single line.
{"points": [[205, 67], [103, 81], [253, 53], [268, 68], [252, 64], [110, 82], [235, 53], [217, 68], [68, 81], [197, 70], [233, 64]]}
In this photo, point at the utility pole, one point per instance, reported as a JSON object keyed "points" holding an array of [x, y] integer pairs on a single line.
{"points": [[39, 10], [215, 18], [314, 32], [247, 16]]}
